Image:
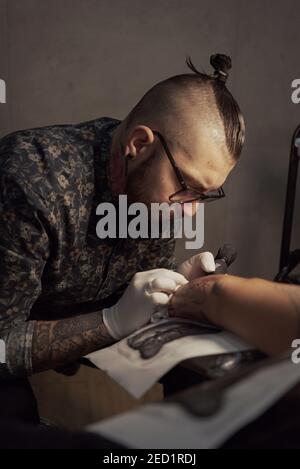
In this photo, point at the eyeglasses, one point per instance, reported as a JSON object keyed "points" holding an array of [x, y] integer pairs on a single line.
{"points": [[187, 194]]}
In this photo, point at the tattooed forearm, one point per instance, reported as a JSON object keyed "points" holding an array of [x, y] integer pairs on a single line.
{"points": [[57, 343]]}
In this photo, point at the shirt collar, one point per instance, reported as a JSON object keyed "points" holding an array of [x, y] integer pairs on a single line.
{"points": [[104, 129]]}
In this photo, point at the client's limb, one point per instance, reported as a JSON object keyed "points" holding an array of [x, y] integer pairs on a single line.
{"points": [[264, 313]]}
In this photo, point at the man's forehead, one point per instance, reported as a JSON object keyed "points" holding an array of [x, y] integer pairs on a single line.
{"points": [[206, 160], [206, 178], [208, 137]]}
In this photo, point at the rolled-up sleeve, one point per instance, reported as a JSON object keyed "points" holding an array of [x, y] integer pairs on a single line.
{"points": [[24, 248]]}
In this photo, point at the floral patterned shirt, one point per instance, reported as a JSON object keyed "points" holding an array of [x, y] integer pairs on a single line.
{"points": [[52, 264]]}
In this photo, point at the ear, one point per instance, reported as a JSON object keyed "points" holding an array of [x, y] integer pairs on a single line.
{"points": [[138, 140]]}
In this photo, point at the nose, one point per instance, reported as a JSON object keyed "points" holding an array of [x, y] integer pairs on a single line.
{"points": [[190, 208]]}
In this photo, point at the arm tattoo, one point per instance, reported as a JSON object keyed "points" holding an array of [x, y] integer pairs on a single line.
{"points": [[58, 343]]}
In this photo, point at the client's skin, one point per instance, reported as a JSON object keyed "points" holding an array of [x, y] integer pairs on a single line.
{"points": [[264, 313]]}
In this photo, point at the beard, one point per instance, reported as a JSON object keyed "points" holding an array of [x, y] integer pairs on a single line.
{"points": [[138, 187]]}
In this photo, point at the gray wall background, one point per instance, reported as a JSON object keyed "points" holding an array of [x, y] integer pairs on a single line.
{"points": [[73, 60]]}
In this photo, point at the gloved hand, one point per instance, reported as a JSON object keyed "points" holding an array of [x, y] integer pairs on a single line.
{"points": [[146, 292], [197, 266]]}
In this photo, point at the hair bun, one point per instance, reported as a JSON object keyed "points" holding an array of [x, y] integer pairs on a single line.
{"points": [[221, 64]]}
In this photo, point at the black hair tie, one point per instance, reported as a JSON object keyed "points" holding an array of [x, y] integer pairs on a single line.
{"points": [[221, 64]]}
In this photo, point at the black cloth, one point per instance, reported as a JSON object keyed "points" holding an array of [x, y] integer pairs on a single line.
{"points": [[18, 402], [16, 435], [278, 428]]}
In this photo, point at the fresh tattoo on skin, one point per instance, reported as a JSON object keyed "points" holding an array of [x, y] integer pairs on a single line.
{"points": [[58, 343], [190, 298]]}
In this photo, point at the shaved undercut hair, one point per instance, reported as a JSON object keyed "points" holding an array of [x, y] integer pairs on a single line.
{"points": [[172, 105]]}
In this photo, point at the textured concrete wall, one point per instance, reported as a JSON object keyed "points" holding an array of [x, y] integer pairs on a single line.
{"points": [[72, 60]]}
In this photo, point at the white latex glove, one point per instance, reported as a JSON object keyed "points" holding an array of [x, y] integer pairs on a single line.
{"points": [[146, 292], [197, 266]]}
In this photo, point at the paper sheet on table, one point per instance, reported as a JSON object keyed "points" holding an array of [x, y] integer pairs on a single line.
{"points": [[169, 426], [137, 375]]}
